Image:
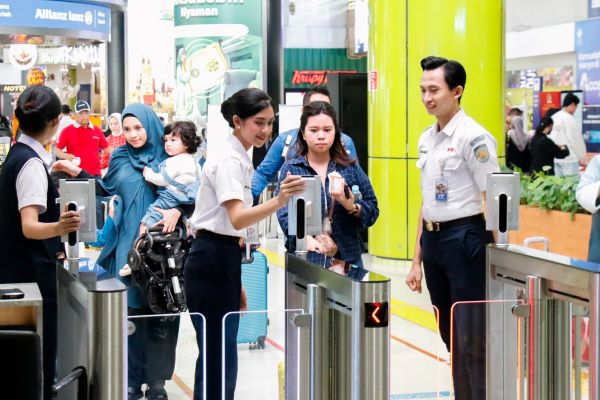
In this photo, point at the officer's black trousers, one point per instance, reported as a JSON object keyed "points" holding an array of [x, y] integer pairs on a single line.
{"points": [[454, 263], [213, 283]]}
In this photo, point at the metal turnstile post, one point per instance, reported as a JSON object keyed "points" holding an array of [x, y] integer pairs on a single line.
{"points": [[594, 354]]}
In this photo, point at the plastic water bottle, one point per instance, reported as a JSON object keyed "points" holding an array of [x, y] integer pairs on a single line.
{"points": [[356, 192]]}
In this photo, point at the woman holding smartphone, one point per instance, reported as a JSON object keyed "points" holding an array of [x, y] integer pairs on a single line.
{"points": [[32, 222], [222, 214]]}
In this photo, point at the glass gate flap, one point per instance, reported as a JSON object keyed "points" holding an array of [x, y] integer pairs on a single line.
{"points": [[257, 368], [416, 350], [164, 347]]}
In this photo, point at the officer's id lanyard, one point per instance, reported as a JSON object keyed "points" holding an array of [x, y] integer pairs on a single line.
{"points": [[441, 184]]}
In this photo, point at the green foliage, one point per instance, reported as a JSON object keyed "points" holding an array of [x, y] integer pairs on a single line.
{"points": [[550, 192]]}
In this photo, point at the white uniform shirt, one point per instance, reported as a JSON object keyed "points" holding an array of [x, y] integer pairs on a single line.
{"points": [[225, 177], [565, 131], [182, 168], [460, 156], [589, 185], [32, 180]]}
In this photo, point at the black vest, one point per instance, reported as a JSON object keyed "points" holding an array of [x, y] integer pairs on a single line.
{"points": [[22, 259]]}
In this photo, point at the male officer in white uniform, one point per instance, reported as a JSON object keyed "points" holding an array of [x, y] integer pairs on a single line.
{"points": [[455, 156]]}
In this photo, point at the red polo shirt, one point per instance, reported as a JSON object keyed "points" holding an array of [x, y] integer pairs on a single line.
{"points": [[84, 142]]}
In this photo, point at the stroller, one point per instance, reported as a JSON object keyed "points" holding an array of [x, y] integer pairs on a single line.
{"points": [[156, 262]]}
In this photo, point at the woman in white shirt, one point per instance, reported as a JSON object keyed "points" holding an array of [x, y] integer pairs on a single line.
{"points": [[32, 221], [222, 214]]}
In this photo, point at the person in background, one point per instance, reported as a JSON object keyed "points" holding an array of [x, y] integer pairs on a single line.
{"points": [[223, 212], [567, 132], [82, 141], [543, 150], [588, 196], [32, 221], [455, 156], [320, 153], [517, 151], [65, 121], [114, 140], [283, 147]]}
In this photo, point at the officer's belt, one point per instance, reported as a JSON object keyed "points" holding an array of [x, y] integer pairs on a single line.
{"points": [[431, 226]]}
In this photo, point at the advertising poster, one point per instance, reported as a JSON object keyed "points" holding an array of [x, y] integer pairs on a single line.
{"points": [[549, 100], [219, 51], [591, 128], [536, 110], [150, 77], [587, 48]]}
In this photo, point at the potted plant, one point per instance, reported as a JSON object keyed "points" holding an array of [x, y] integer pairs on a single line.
{"points": [[549, 208]]}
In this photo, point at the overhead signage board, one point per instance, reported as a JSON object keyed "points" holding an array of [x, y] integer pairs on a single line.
{"points": [[55, 15]]}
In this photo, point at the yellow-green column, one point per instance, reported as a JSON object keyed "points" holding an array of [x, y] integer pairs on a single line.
{"points": [[402, 32]]}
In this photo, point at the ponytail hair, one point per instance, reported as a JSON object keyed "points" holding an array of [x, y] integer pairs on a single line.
{"points": [[245, 103], [36, 107]]}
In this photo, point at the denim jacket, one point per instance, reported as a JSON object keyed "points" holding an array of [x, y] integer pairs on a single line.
{"points": [[344, 226]]}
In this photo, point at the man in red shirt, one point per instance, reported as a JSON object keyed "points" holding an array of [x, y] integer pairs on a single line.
{"points": [[82, 140]]}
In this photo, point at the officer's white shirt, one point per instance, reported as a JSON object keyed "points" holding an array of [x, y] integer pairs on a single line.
{"points": [[565, 131], [224, 177], [589, 184], [461, 154], [32, 180]]}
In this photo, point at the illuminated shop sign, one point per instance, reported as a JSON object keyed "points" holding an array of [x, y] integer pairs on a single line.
{"points": [[81, 55], [36, 76], [22, 56], [10, 88], [314, 78], [55, 14]]}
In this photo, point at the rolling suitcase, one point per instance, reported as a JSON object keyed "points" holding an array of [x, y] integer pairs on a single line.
{"points": [[253, 326]]}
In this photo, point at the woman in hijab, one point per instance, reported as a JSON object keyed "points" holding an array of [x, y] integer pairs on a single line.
{"points": [[114, 139], [517, 153], [151, 348]]}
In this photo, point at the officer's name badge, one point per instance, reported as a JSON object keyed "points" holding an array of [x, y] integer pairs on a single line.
{"points": [[481, 153]]}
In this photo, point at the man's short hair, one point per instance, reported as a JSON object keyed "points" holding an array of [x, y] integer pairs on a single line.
{"points": [[314, 90], [515, 111], [569, 99], [65, 109], [454, 73]]}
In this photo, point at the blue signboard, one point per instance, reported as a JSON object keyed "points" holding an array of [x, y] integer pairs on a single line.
{"points": [[55, 15], [587, 48], [593, 8], [591, 128]]}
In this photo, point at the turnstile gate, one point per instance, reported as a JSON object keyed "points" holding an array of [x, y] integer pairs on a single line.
{"points": [[533, 351], [341, 351]]}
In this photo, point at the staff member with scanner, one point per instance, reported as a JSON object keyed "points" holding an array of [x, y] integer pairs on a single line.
{"points": [[455, 155], [32, 221], [223, 212]]}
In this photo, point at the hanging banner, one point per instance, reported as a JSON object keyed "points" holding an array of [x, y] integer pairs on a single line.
{"points": [[219, 51], [587, 48]]}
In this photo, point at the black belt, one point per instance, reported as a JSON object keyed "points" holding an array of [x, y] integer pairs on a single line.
{"points": [[431, 226], [204, 233]]}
